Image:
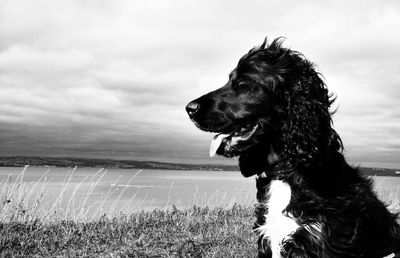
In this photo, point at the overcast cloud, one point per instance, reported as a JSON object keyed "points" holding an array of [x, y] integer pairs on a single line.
{"points": [[110, 79]]}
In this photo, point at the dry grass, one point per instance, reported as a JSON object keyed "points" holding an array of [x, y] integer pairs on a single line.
{"points": [[29, 201], [195, 232]]}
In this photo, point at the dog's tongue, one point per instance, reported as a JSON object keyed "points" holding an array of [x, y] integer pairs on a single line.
{"points": [[216, 142]]}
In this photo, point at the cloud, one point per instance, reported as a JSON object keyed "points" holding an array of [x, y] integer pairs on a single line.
{"points": [[111, 79]]}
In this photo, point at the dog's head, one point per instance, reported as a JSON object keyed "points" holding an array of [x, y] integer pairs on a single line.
{"points": [[274, 108]]}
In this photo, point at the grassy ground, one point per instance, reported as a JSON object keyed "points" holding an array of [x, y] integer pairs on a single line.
{"points": [[195, 232], [31, 228]]}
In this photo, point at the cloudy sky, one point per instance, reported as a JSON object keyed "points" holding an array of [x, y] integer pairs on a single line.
{"points": [[110, 79]]}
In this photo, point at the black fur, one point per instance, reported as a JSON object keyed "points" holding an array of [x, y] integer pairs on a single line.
{"points": [[280, 91]]}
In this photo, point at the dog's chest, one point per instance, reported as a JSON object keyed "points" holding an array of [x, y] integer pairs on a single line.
{"points": [[277, 225]]}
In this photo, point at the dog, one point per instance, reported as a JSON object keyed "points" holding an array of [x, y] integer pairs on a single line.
{"points": [[273, 114]]}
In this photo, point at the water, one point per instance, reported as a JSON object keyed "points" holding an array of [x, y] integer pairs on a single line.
{"points": [[134, 189]]}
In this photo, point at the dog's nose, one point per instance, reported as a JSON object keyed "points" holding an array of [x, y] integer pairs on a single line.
{"points": [[192, 108]]}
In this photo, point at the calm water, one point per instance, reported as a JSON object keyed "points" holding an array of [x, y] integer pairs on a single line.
{"points": [[134, 189]]}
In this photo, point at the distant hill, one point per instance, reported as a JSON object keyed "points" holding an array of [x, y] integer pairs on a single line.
{"points": [[21, 161], [380, 171]]}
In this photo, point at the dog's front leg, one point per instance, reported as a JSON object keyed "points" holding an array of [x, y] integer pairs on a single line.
{"points": [[305, 242], [264, 248]]}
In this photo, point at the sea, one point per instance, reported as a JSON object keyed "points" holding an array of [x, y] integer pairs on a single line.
{"points": [[128, 190]]}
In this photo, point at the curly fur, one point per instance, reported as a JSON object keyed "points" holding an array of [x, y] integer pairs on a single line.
{"points": [[279, 92]]}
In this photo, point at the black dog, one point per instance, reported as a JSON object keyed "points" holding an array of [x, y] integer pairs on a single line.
{"points": [[274, 115]]}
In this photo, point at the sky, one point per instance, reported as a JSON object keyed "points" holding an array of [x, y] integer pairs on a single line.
{"points": [[110, 79]]}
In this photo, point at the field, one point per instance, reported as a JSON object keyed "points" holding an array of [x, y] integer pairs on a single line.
{"points": [[32, 230], [29, 227], [195, 232]]}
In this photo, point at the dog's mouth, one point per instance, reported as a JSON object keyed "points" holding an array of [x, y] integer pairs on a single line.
{"points": [[239, 135]]}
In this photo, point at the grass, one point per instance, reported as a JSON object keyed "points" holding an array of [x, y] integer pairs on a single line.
{"points": [[31, 227], [195, 232], [69, 226], [26, 201]]}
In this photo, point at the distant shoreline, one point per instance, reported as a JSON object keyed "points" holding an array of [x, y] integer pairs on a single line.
{"points": [[21, 161], [49, 162]]}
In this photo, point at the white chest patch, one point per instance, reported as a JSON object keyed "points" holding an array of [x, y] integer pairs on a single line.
{"points": [[277, 225]]}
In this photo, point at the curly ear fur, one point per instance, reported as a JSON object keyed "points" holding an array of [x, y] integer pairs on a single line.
{"points": [[306, 132]]}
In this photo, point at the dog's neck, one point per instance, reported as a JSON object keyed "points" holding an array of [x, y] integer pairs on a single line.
{"points": [[276, 161], [328, 176]]}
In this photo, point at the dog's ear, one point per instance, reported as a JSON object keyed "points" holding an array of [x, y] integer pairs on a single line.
{"points": [[306, 129]]}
